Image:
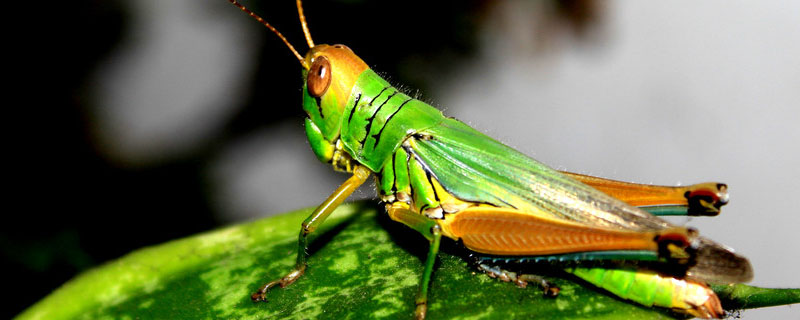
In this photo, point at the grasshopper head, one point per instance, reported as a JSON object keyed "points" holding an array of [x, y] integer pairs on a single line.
{"points": [[332, 72]]}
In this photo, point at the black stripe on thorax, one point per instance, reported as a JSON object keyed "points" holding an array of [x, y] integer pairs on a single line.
{"points": [[435, 194], [408, 169], [372, 118], [377, 136], [355, 105], [378, 95], [394, 176]]}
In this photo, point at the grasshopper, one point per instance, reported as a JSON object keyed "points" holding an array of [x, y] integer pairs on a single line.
{"points": [[442, 178]]}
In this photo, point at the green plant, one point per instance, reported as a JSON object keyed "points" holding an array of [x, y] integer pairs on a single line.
{"points": [[363, 266]]}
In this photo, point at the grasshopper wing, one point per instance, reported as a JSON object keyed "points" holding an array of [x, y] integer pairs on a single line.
{"points": [[477, 168]]}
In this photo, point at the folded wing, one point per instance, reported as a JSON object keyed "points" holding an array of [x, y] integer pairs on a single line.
{"points": [[477, 168]]}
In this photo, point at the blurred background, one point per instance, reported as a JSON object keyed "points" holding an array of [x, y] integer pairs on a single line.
{"points": [[138, 122]]}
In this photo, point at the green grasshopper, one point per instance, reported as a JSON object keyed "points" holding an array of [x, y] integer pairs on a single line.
{"points": [[440, 177]]}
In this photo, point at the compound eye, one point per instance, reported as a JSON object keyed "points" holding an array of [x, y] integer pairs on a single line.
{"points": [[319, 77]]}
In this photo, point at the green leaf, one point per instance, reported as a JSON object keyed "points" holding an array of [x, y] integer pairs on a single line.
{"points": [[362, 266]]}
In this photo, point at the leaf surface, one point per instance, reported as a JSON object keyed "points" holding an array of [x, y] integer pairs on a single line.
{"points": [[362, 266]]}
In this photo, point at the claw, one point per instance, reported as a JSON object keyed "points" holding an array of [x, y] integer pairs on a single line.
{"points": [[551, 291], [258, 297], [261, 294]]}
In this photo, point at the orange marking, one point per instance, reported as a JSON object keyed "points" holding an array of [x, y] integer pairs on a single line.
{"points": [[633, 193], [503, 231]]}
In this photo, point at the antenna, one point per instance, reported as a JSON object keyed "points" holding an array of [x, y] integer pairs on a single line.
{"points": [[269, 26], [304, 24]]}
